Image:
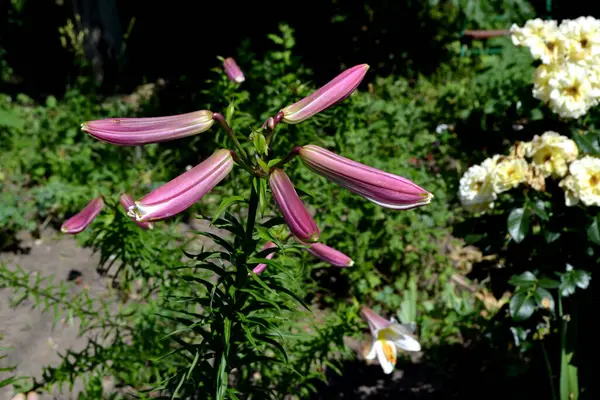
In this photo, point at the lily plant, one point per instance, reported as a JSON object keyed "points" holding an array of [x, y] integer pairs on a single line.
{"points": [[247, 254]]}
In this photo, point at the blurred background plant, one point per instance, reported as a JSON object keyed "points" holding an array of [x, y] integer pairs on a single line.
{"points": [[492, 294]]}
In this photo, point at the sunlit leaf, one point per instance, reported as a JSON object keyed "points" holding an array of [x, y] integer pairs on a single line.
{"points": [[521, 306], [518, 224]]}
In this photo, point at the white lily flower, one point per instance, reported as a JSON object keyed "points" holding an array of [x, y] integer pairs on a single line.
{"points": [[388, 337]]}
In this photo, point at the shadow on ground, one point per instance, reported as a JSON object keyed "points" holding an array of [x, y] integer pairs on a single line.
{"points": [[444, 372]]}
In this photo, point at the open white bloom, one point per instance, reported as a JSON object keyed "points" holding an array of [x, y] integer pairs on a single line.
{"points": [[571, 93], [388, 336], [551, 153], [476, 189], [509, 173], [545, 41], [541, 79], [582, 39], [583, 183]]}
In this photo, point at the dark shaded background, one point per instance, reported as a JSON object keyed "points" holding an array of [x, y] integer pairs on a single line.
{"points": [[178, 39]]}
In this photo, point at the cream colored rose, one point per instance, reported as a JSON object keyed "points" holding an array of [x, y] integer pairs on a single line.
{"points": [[582, 39], [510, 173], [551, 153], [476, 191], [545, 41], [583, 183]]}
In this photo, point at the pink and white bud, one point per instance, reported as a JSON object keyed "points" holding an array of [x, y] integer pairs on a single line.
{"points": [[294, 213], [375, 321], [183, 191], [82, 219], [330, 255], [260, 268], [382, 188], [127, 202], [233, 71], [139, 131], [333, 92]]}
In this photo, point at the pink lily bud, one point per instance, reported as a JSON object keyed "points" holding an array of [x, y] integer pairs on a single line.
{"points": [[138, 131], [330, 255], [335, 91], [83, 218], [295, 214], [233, 71], [382, 188], [183, 191], [260, 268], [127, 202]]}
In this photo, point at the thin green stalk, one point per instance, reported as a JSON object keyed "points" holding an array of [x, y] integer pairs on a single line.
{"points": [[289, 157], [230, 321], [252, 209], [221, 120], [569, 384], [550, 375]]}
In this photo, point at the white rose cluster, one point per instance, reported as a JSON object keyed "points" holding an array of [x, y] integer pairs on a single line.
{"points": [[583, 182], [529, 163], [568, 79]]}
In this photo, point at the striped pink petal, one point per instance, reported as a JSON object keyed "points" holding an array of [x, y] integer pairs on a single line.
{"points": [[138, 131], [233, 71], [382, 188], [333, 92], [330, 255], [84, 218], [294, 213], [183, 191]]}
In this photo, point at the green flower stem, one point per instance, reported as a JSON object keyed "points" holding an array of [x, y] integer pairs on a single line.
{"points": [[221, 120]]}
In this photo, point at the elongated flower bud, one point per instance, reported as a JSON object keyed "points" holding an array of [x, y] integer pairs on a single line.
{"points": [[127, 202], [335, 91], [375, 321], [260, 268], [295, 214], [82, 219], [382, 188], [233, 71], [183, 191], [330, 255], [138, 131]]}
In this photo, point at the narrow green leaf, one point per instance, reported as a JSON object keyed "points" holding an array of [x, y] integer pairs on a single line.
{"points": [[176, 392], [261, 282], [275, 344], [249, 336], [218, 240], [518, 224], [263, 165], [193, 365], [291, 294], [273, 222]]}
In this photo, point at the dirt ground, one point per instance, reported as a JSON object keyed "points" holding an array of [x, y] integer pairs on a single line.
{"points": [[35, 342], [30, 334]]}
